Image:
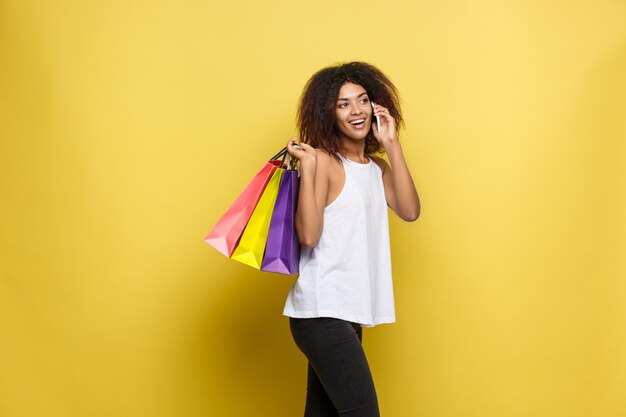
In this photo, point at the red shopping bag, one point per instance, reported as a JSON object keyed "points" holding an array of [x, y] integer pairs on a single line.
{"points": [[226, 233]]}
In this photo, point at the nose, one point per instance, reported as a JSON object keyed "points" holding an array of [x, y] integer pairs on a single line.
{"points": [[357, 109]]}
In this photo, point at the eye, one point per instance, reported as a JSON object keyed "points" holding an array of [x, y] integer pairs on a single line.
{"points": [[343, 105], [365, 100]]}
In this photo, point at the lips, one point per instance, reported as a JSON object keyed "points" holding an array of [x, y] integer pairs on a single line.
{"points": [[357, 123]]}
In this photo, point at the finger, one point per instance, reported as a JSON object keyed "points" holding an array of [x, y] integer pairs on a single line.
{"points": [[292, 144], [383, 113], [296, 154], [293, 149], [378, 107], [386, 115]]}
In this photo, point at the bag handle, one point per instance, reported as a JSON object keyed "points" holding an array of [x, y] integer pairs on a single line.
{"points": [[287, 161], [282, 152]]}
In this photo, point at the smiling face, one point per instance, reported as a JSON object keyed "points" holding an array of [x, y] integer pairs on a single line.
{"points": [[353, 112]]}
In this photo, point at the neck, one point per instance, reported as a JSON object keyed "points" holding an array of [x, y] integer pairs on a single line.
{"points": [[354, 150]]}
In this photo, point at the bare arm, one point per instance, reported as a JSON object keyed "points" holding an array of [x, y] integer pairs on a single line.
{"points": [[399, 187], [312, 196]]}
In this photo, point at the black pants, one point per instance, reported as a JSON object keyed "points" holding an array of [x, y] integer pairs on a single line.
{"points": [[339, 381]]}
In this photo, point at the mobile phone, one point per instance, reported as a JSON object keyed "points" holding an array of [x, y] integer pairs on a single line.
{"points": [[377, 118]]}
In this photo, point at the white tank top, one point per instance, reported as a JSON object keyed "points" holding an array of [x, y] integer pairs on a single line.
{"points": [[347, 275]]}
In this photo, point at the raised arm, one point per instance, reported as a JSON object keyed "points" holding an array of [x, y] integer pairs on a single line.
{"points": [[400, 190], [313, 193]]}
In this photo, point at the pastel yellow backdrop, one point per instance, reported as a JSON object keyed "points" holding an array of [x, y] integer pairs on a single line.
{"points": [[127, 128]]}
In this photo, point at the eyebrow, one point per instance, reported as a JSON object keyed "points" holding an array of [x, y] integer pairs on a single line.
{"points": [[362, 94]]}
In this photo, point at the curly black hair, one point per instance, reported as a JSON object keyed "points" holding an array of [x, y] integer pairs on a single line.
{"points": [[316, 111]]}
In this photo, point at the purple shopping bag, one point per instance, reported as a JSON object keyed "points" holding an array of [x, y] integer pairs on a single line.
{"points": [[282, 250]]}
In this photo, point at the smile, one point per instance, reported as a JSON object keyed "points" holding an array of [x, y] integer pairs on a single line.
{"points": [[358, 124]]}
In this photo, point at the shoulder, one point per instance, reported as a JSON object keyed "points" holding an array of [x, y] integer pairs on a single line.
{"points": [[323, 156], [329, 167], [326, 161], [382, 164]]}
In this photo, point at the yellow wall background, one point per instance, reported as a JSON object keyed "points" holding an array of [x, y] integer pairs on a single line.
{"points": [[127, 128]]}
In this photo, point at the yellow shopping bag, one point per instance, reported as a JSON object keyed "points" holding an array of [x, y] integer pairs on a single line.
{"points": [[252, 244]]}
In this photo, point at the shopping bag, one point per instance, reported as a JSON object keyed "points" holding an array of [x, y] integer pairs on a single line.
{"points": [[252, 243], [226, 233], [282, 250]]}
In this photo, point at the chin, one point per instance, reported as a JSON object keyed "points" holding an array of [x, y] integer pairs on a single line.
{"points": [[356, 135], [355, 138]]}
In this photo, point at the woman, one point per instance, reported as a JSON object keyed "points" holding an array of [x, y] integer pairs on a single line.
{"points": [[341, 221]]}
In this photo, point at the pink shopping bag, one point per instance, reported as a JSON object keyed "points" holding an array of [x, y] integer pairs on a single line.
{"points": [[225, 235]]}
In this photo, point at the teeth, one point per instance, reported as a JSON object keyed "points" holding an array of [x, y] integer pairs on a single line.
{"points": [[354, 122]]}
